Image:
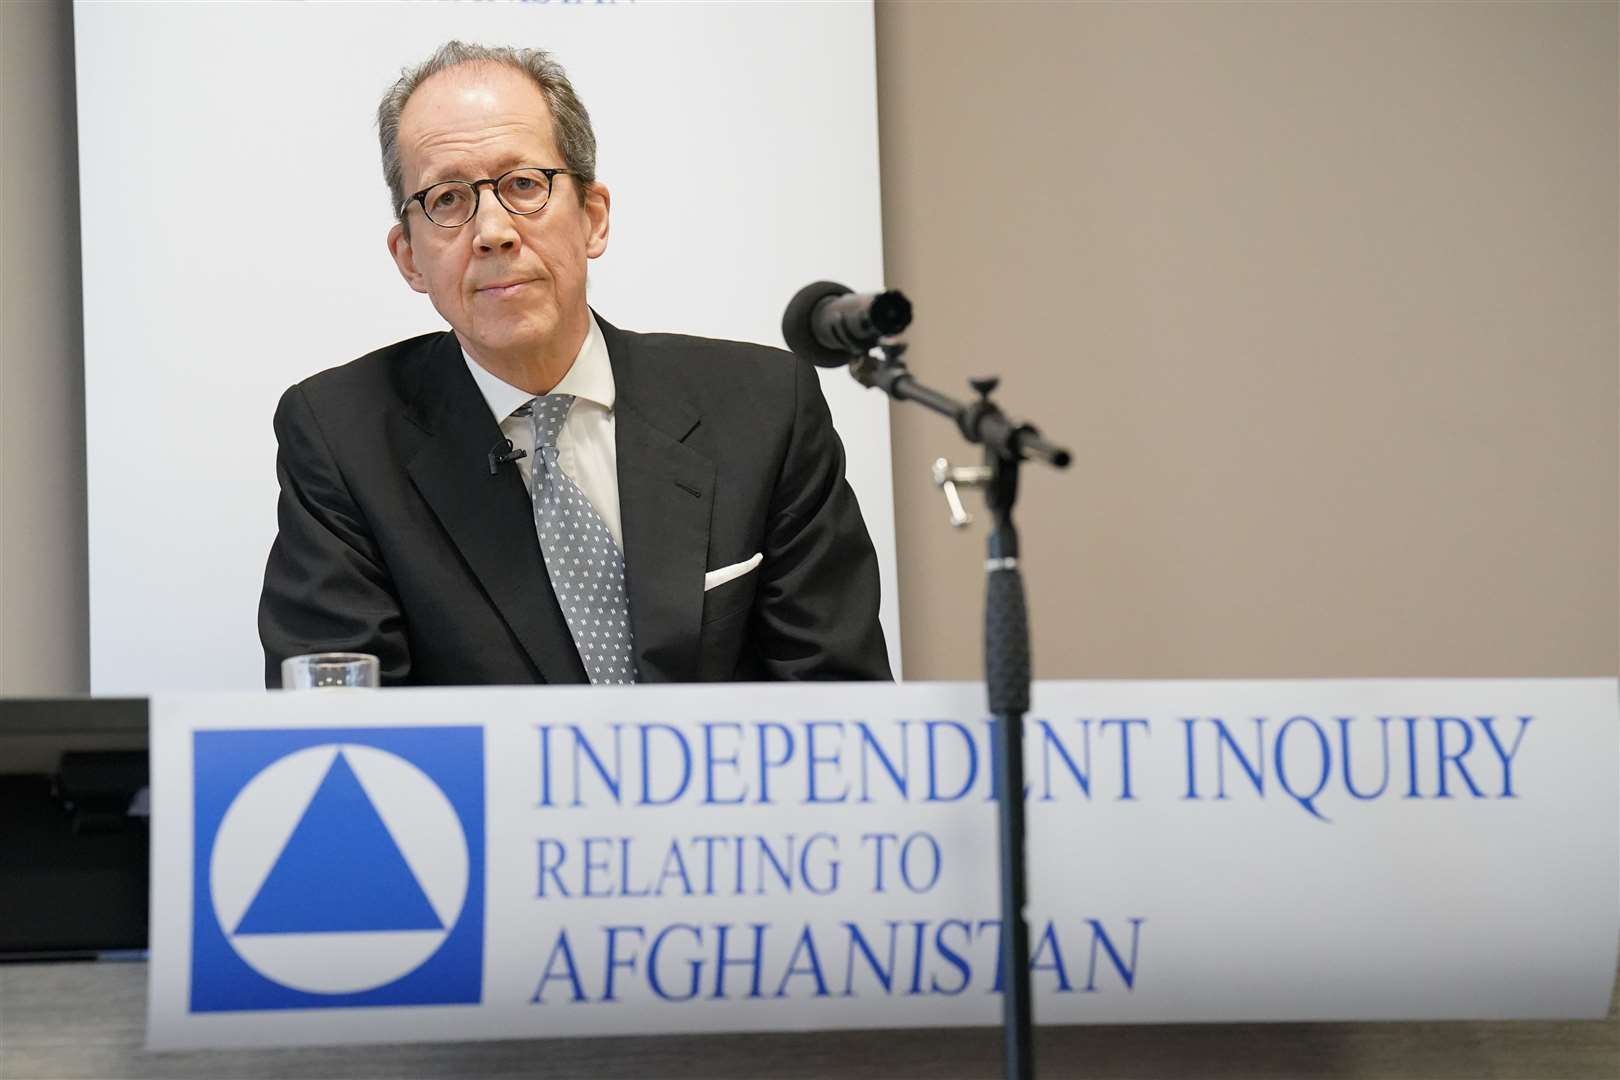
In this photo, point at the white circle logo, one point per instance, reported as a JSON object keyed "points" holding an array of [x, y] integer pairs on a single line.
{"points": [[338, 868]]}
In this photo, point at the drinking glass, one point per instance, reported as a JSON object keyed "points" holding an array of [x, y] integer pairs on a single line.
{"points": [[330, 671]]}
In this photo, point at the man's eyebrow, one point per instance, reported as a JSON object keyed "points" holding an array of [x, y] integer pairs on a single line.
{"points": [[504, 165], [431, 177]]}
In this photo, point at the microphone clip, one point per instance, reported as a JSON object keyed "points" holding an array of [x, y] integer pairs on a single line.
{"points": [[502, 453]]}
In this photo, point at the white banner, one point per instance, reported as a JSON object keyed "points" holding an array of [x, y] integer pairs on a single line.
{"points": [[450, 864]]}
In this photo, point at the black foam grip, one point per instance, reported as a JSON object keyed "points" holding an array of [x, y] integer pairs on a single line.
{"points": [[796, 325], [1006, 642]]}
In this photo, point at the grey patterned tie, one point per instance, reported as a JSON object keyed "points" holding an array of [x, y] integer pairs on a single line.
{"points": [[586, 568]]}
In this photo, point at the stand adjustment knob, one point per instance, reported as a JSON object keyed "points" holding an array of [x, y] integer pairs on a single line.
{"points": [[947, 477]]}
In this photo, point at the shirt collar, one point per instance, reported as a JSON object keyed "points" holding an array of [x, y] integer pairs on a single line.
{"points": [[590, 378]]}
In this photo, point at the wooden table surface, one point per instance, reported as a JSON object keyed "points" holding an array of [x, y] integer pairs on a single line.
{"points": [[87, 1020]]}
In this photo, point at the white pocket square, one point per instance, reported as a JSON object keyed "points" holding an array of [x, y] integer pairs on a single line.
{"points": [[729, 573]]}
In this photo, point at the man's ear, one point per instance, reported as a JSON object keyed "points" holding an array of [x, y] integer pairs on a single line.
{"points": [[598, 202], [399, 246]]}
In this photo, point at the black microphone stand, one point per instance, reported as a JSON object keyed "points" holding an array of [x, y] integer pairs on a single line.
{"points": [[1006, 649]]}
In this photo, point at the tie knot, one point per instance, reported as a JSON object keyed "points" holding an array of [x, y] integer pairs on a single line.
{"points": [[547, 413]]}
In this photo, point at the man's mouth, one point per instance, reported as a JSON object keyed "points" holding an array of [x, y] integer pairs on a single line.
{"points": [[506, 288]]}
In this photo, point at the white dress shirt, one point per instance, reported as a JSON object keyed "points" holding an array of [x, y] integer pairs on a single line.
{"points": [[585, 446]]}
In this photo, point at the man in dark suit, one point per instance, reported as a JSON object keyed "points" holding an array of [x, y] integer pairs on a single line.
{"points": [[679, 510]]}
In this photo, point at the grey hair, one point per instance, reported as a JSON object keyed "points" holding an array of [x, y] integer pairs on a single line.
{"points": [[570, 123]]}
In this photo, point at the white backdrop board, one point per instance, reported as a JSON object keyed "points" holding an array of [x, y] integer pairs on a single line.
{"points": [[739, 142]]}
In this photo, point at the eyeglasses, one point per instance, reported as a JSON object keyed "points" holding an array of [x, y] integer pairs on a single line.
{"points": [[454, 202]]}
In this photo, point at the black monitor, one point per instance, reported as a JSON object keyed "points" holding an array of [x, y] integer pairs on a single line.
{"points": [[74, 841]]}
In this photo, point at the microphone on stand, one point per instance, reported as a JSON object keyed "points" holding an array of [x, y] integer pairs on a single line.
{"points": [[829, 324]]}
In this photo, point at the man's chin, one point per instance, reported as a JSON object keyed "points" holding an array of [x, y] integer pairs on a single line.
{"points": [[535, 339]]}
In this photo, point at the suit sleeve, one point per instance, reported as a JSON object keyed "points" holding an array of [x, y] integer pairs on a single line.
{"points": [[818, 613], [325, 586]]}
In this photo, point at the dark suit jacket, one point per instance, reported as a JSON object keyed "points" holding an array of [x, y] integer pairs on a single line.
{"points": [[396, 540]]}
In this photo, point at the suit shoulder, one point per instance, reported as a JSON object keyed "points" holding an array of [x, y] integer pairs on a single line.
{"points": [[732, 360], [375, 376]]}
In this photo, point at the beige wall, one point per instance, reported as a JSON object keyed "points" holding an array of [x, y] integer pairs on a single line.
{"points": [[1324, 299], [44, 592]]}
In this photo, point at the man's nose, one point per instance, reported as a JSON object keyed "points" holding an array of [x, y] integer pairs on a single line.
{"points": [[493, 229]]}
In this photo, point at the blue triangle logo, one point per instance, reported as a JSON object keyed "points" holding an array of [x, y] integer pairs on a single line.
{"points": [[340, 871]]}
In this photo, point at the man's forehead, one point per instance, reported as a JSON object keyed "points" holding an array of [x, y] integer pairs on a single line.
{"points": [[470, 110], [475, 85]]}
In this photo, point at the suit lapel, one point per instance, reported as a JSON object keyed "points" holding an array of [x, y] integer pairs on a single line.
{"points": [[666, 494], [489, 518]]}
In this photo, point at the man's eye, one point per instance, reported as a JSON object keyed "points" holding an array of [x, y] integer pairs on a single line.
{"points": [[448, 198], [524, 183]]}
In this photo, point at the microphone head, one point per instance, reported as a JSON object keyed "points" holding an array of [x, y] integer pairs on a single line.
{"points": [[797, 328], [890, 312]]}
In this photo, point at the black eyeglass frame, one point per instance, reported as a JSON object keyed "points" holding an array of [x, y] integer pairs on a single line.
{"points": [[420, 198]]}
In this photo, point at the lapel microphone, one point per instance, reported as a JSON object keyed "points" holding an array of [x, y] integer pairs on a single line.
{"points": [[502, 453]]}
